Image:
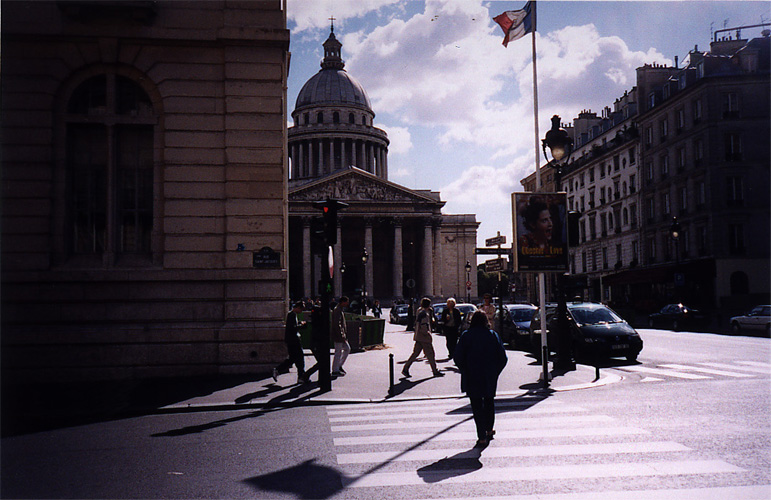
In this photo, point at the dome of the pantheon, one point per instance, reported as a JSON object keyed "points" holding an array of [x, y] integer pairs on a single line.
{"points": [[332, 85]]}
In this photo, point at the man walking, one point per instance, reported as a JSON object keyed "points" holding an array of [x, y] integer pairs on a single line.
{"points": [[451, 322], [340, 338], [293, 346], [423, 339]]}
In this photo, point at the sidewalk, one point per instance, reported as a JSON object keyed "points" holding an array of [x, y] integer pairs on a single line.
{"points": [[367, 380]]}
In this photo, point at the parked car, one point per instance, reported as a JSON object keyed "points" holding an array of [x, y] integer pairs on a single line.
{"points": [[516, 323], [676, 316], [595, 329], [759, 319], [438, 308], [398, 314], [466, 311]]}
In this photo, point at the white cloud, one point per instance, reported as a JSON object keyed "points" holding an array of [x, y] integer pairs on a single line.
{"points": [[314, 14], [401, 140]]}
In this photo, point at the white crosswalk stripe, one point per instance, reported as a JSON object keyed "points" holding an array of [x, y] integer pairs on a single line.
{"points": [[426, 444], [699, 371]]}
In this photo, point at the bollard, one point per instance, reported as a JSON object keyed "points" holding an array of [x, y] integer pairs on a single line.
{"points": [[391, 374]]}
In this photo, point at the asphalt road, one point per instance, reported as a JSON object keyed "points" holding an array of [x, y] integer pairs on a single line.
{"points": [[689, 420]]}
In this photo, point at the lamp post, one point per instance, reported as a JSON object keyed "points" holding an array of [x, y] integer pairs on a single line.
{"points": [[468, 281], [675, 230], [559, 143], [364, 259], [342, 277]]}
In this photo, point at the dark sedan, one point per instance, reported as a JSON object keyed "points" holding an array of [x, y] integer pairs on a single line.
{"points": [[398, 315], [676, 316], [596, 332], [516, 324]]}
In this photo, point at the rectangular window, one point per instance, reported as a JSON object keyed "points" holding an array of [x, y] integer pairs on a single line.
{"points": [[697, 111], [665, 204], [734, 191], [736, 239], [681, 159], [651, 249], [616, 163], [632, 184], [701, 194], [635, 251], [583, 262], [650, 209], [733, 147], [683, 200], [633, 215], [135, 189], [680, 119], [664, 129], [664, 161], [632, 156], [730, 105], [604, 258], [591, 174], [618, 255], [649, 171], [649, 136], [701, 240]]}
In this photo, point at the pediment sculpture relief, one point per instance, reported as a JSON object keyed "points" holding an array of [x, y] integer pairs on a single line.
{"points": [[353, 188]]}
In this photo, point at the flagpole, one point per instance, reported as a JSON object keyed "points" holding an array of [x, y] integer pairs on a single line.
{"points": [[535, 108], [538, 187]]}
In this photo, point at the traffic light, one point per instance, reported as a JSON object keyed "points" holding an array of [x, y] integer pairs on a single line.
{"points": [[573, 228], [328, 229]]}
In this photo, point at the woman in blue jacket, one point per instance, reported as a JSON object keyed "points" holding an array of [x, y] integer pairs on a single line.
{"points": [[480, 357]]}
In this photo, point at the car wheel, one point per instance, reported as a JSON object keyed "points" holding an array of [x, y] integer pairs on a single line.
{"points": [[735, 327], [631, 357]]}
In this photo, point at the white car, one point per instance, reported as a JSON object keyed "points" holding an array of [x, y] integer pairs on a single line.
{"points": [[759, 318]]}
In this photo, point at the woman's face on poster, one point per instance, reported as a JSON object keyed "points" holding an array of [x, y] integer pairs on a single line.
{"points": [[543, 225]]}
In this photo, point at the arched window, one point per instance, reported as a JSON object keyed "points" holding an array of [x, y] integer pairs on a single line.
{"points": [[109, 171], [320, 117], [740, 283], [351, 119], [363, 120], [335, 117], [306, 118]]}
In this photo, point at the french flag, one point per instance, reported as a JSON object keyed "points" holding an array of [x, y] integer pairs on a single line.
{"points": [[517, 23]]}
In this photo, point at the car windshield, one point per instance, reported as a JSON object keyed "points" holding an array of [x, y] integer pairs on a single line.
{"points": [[466, 309], [594, 315], [521, 314], [402, 308]]}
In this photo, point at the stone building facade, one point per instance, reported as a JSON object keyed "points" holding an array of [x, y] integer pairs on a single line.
{"points": [[336, 151], [144, 170]]}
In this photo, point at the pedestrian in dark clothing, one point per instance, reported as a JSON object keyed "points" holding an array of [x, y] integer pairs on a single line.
{"points": [[376, 310], [410, 317], [451, 322], [293, 346], [480, 357]]}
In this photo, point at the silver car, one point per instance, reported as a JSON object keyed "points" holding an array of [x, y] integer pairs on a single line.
{"points": [[759, 318]]}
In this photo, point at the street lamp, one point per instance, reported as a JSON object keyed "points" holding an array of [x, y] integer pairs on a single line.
{"points": [[364, 259], [560, 145], [342, 275], [468, 281], [675, 230]]}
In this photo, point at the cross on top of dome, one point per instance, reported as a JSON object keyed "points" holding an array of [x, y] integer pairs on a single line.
{"points": [[332, 46]]}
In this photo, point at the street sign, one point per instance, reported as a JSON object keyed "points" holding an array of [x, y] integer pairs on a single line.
{"points": [[498, 240], [468, 285], [492, 251], [495, 265]]}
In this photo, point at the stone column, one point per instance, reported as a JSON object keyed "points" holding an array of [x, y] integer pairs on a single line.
{"points": [[307, 278], [438, 268], [428, 258], [300, 158], [320, 168], [332, 154], [385, 163], [343, 156], [338, 256], [363, 164], [398, 276], [369, 272]]}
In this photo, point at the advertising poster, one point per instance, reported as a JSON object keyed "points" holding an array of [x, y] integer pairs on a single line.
{"points": [[540, 229]]}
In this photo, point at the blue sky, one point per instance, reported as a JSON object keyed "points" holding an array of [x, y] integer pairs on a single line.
{"points": [[457, 105]]}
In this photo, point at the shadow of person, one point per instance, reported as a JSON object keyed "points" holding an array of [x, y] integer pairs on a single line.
{"points": [[459, 464], [305, 480]]}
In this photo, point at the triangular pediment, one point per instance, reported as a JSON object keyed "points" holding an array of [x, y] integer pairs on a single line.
{"points": [[356, 185]]}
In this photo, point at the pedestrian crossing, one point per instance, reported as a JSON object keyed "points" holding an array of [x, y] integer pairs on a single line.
{"points": [[424, 449], [699, 371]]}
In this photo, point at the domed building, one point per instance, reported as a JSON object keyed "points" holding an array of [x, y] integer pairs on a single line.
{"points": [[336, 151]]}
